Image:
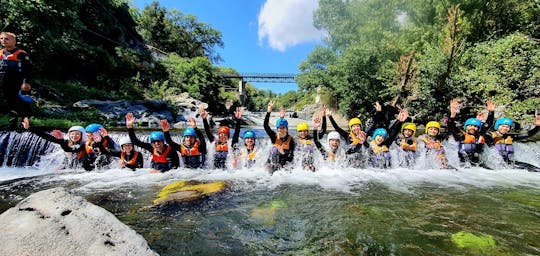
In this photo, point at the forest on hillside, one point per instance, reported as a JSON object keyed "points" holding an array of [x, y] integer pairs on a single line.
{"points": [[415, 53]]}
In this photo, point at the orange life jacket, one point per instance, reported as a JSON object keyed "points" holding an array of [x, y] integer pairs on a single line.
{"points": [[192, 151], [81, 153], [472, 139], [378, 149], [90, 149], [406, 146], [499, 139], [157, 158], [13, 56], [132, 161], [222, 147], [284, 144]]}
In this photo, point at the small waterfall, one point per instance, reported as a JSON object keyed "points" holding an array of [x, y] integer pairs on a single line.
{"points": [[22, 149]]}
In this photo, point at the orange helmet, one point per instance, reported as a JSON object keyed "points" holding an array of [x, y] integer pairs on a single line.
{"points": [[224, 129]]}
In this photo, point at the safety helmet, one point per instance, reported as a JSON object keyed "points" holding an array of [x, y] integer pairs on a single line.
{"points": [[26, 98], [224, 130], [282, 122], [91, 128], [333, 135], [433, 124], [124, 141], [354, 121], [504, 121], [472, 121], [155, 136], [303, 126], [189, 131], [79, 129], [409, 126], [249, 134], [380, 131]]}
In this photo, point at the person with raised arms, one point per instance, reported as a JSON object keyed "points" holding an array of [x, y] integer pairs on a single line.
{"points": [[503, 141], [244, 156], [98, 139], [432, 140], [357, 146], [129, 157], [282, 152], [221, 140], [74, 145], [304, 146], [164, 157], [334, 153], [193, 147]]}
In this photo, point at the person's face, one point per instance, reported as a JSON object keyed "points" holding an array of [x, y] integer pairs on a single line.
{"points": [[433, 131], [282, 130], [223, 137], [158, 144], [7, 42], [356, 128], [127, 147], [96, 136], [471, 129], [189, 140], [250, 142], [303, 134], [379, 139], [75, 136], [408, 133], [26, 87], [334, 144], [504, 128]]}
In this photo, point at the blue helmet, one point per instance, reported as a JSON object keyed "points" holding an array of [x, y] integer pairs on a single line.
{"points": [[249, 134], [472, 121], [155, 136], [504, 121], [380, 131], [281, 122], [91, 128], [190, 132]]}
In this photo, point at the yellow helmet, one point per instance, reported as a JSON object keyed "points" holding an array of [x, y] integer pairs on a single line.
{"points": [[354, 121], [303, 126], [433, 124], [409, 126]]}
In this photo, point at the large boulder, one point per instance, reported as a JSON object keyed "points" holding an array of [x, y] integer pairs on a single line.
{"points": [[55, 222]]}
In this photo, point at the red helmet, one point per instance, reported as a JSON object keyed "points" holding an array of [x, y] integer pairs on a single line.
{"points": [[224, 129]]}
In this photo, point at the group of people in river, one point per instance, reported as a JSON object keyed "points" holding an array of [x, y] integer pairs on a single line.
{"points": [[90, 147]]}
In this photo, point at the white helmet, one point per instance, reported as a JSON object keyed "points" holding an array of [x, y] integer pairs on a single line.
{"points": [[333, 136], [80, 129], [124, 140]]}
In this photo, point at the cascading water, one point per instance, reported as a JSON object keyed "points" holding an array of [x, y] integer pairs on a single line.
{"points": [[336, 210]]}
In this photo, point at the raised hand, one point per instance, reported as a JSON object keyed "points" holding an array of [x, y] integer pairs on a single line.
{"points": [[130, 120], [316, 123], [403, 115], [482, 116], [26, 123], [238, 113], [270, 106], [282, 112], [454, 107], [103, 131], [192, 122], [324, 110], [361, 137], [57, 134], [377, 106], [203, 113], [490, 106], [537, 120], [165, 126]]}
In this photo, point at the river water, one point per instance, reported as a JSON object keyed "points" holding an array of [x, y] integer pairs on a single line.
{"points": [[333, 211]]}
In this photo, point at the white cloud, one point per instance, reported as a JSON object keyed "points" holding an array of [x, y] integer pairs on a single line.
{"points": [[286, 23]]}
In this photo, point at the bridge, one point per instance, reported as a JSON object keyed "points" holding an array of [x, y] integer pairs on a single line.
{"points": [[258, 78]]}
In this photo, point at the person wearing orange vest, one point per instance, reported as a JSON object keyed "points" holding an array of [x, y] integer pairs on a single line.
{"points": [[432, 140], [357, 145], [282, 152], [98, 140], [221, 140], [304, 146], [192, 149], [129, 157], [15, 67], [164, 157], [501, 140], [74, 145], [470, 140], [407, 145]]}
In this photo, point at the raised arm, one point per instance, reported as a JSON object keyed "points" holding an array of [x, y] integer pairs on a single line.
{"points": [[267, 128], [130, 121], [204, 115], [238, 117], [342, 133]]}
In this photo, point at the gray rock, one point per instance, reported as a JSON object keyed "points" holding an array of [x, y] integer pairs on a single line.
{"points": [[55, 222]]}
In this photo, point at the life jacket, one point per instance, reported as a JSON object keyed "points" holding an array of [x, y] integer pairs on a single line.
{"points": [[11, 62], [191, 151], [132, 162], [331, 155], [222, 146], [378, 149], [305, 145], [353, 140], [191, 156], [248, 156], [81, 153], [503, 145], [432, 144], [406, 146], [284, 144], [91, 149], [381, 156], [471, 143], [161, 158]]}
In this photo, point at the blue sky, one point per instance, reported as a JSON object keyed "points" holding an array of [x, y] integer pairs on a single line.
{"points": [[260, 36]]}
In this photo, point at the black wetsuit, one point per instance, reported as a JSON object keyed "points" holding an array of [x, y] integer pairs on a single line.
{"points": [[14, 71], [277, 160], [190, 161], [76, 151], [503, 144], [171, 159]]}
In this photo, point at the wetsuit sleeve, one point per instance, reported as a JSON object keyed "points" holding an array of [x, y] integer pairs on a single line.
{"points": [[140, 160], [175, 160], [171, 143], [318, 143], [489, 123], [236, 132], [267, 128], [139, 143], [47, 136], [202, 145], [26, 66], [106, 151], [338, 129], [454, 130], [209, 134], [112, 146], [488, 137], [378, 122], [393, 132], [290, 154], [526, 135], [323, 128]]}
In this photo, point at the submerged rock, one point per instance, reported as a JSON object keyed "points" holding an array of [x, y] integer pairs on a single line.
{"points": [[186, 191], [55, 222]]}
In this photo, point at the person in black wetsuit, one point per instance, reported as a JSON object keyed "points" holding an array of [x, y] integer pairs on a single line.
{"points": [[282, 152], [193, 147]]}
